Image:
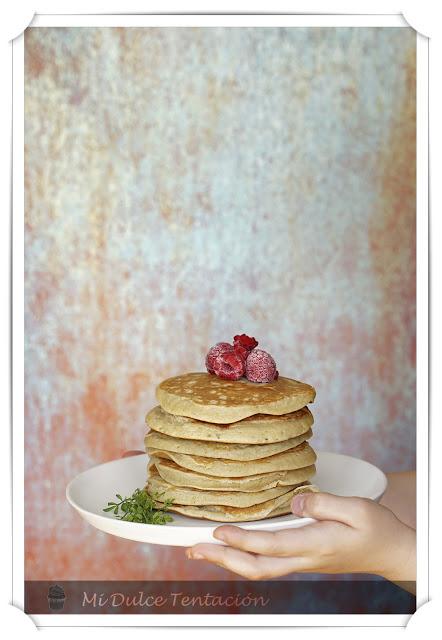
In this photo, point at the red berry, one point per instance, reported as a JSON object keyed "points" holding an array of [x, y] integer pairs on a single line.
{"points": [[229, 366], [260, 367], [214, 352], [241, 351], [245, 341]]}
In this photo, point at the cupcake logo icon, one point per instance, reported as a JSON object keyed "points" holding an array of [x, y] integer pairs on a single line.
{"points": [[56, 597]]}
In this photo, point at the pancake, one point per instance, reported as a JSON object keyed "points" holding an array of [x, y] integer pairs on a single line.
{"points": [[209, 398], [178, 476], [301, 456], [269, 509], [196, 497], [257, 429], [221, 450]]}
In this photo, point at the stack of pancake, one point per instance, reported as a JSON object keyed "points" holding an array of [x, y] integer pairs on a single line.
{"points": [[230, 451]]}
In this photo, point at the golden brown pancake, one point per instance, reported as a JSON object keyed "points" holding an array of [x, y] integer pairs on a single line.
{"points": [[270, 509], [178, 476], [197, 497], [257, 429], [221, 450], [209, 398], [301, 456]]}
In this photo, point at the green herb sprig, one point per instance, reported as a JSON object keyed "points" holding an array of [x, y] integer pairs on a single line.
{"points": [[141, 507]]}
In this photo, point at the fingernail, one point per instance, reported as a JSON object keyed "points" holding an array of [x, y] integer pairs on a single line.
{"points": [[219, 535], [298, 503]]}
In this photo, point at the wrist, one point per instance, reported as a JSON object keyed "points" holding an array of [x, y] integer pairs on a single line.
{"points": [[401, 563]]}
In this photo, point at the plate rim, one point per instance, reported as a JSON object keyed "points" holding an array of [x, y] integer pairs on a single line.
{"points": [[270, 523]]}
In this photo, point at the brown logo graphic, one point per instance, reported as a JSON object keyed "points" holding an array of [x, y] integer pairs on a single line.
{"points": [[56, 597]]}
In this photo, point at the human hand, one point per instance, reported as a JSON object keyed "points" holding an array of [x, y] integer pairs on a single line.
{"points": [[132, 452], [351, 535]]}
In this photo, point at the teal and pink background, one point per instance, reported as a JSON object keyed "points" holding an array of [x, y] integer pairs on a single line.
{"points": [[183, 185]]}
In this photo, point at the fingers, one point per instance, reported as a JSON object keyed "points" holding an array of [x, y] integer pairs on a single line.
{"points": [[325, 506], [132, 452], [321, 546], [284, 543], [246, 564]]}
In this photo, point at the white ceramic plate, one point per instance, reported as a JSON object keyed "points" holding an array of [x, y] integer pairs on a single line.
{"points": [[90, 491]]}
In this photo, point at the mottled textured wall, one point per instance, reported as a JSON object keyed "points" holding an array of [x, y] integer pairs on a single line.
{"points": [[183, 185]]}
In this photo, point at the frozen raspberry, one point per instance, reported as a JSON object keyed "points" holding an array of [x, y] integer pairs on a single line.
{"points": [[245, 341], [242, 352], [229, 366], [260, 367], [214, 352], [243, 345]]}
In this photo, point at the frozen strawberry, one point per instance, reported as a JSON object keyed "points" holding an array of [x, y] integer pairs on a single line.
{"points": [[260, 367], [214, 352], [229, 366]]}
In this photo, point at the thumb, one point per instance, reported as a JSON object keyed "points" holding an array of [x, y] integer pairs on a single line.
{"points": [[326, 506]]}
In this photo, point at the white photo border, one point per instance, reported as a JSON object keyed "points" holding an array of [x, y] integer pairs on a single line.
{"points": [[144, 20]]}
